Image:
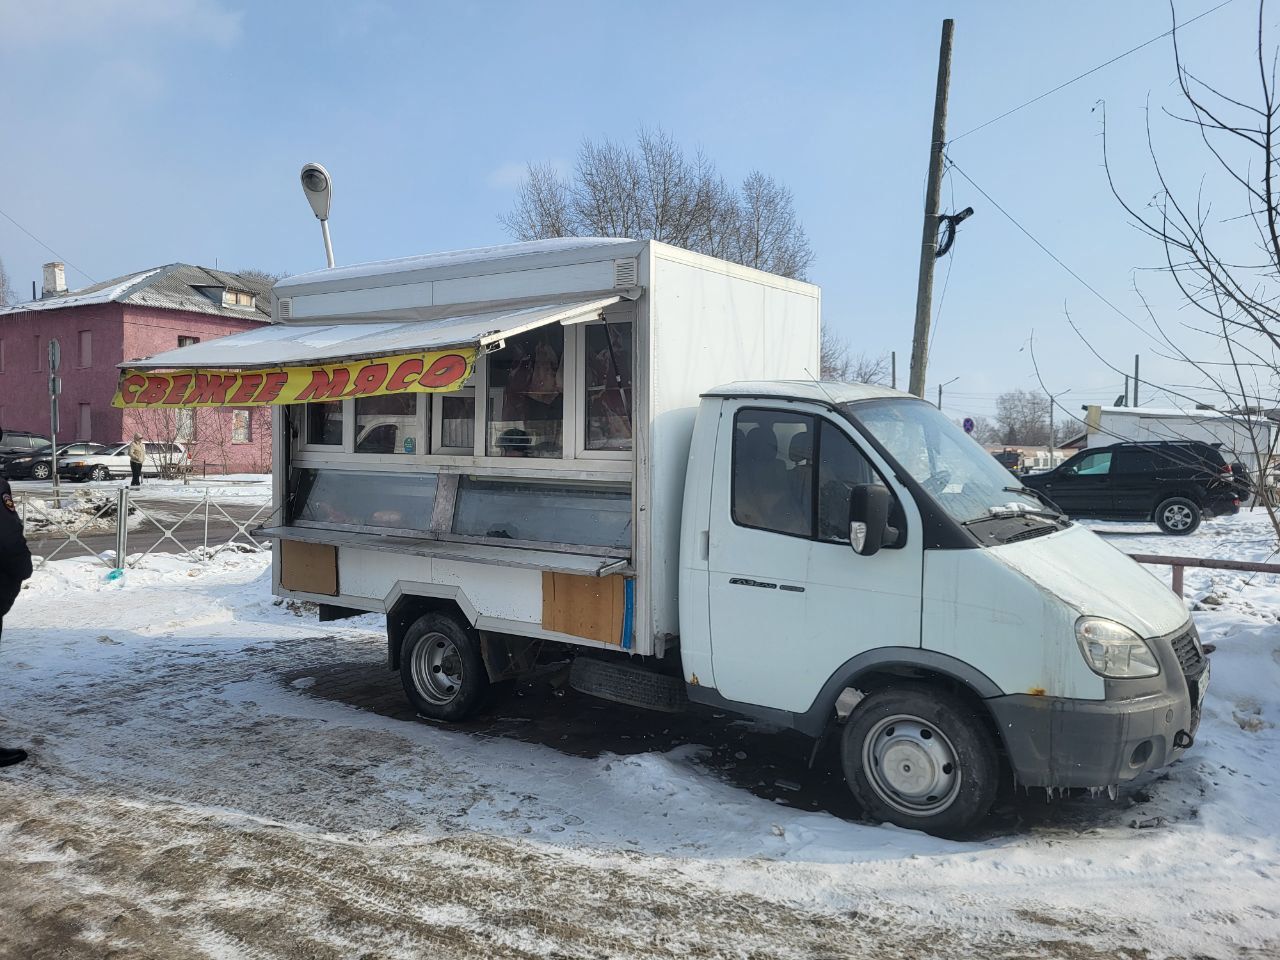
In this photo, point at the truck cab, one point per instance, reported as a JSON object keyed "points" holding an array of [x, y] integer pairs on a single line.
{"points": [[853, 563]]}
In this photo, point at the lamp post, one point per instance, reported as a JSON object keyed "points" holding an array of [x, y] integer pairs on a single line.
{"points": [[940, 386], [318, 187]]}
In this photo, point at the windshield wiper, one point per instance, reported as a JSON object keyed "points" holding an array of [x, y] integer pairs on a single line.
{"points": [[1028, 491], [1006, 513]]}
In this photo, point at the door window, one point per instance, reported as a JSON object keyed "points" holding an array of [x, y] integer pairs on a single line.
{"points": [[1093, 465], [773, 472], [1135, 460], [841, 467]]}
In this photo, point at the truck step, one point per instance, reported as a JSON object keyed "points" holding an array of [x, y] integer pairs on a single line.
{"points": [[625, 683]]}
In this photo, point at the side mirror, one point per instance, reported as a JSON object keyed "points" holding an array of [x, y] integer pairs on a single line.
{"points": [[869, 530]]}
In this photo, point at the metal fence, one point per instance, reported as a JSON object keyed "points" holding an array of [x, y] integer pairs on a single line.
{"points": [[62, 527]]}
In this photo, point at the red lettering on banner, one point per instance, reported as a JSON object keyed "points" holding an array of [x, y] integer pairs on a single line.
{"points": [[272, 384], [180, 381], [324, 386], [130, 386], [400, 379], [154, 391], [444, 371], [369, 379], [210, 388], [248, 387]]}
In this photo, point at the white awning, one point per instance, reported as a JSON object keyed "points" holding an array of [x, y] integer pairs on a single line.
{"points": [[290, 344]]}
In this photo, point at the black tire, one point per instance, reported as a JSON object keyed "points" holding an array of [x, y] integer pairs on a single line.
{"points": [[921, 730], [1178, 516], [41, 471], [100, 473], [441, 669]]}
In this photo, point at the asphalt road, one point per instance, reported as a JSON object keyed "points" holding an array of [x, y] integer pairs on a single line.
{"points": [[188, 512]]}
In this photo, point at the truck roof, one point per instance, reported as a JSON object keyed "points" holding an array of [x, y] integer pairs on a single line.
{"points": [[824, 391]]}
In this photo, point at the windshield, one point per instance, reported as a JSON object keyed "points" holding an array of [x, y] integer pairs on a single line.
{"points": [[962, 477]]}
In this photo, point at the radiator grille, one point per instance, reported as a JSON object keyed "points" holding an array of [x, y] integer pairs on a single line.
{"points": [[1187, 650]]}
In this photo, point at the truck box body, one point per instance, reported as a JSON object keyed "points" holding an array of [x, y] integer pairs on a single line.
{"points": [[695, 322]]}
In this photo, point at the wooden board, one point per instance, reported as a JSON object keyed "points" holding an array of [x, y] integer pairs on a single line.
{"points": [[309, 567], [590, 607]]}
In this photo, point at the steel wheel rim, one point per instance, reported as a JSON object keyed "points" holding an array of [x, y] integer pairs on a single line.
{"points": [[911, 765], [1177, 517], [40, 471], [437, 669]]}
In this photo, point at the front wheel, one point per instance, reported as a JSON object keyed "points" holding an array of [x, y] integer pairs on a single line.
{"points": [[1178, 516], [920, 758], [441, 668], [40, 471]]}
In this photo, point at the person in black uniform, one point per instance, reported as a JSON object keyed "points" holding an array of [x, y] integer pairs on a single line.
{"points": [[15, 566]]}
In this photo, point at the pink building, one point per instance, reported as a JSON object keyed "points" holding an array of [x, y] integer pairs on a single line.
{"points": [[99, 327]]}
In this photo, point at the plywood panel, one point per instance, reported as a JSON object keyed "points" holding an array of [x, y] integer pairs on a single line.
{"points": [[309, 567], [590, 607]]}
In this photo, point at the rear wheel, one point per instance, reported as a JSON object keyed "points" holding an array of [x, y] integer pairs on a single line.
{"points": [[100, 473], [441, 668], [40, 471], [920, 758], [1178, 516]]}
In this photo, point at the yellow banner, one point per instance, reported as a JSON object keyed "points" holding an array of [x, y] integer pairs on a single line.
{"points": [[436, 372]]}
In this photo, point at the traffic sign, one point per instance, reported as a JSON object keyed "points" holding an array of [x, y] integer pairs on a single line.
{"points": [[968, 424], [55, 356]]}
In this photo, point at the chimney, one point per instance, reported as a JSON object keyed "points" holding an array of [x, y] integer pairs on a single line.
{"points": [[55, 280]]}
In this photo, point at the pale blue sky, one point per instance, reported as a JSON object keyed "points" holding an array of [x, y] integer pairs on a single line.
{"points": [[141, 132]]}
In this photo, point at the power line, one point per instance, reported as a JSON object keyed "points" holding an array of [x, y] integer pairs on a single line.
{"points": [[1087, 73], [1053, 256], [45, 245]]}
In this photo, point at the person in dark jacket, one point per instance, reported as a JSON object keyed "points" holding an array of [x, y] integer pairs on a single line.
{"points": [[15, 567]]}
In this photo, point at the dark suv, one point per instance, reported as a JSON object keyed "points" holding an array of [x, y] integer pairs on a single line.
{"points": [[1175, 484], [19, 443]]}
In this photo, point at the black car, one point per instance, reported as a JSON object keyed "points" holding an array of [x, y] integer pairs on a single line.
{"points": [[1175, 484], [19, 443], [38, 464]]}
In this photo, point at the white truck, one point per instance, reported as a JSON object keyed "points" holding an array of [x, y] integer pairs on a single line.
{"points": [[641, 472]]}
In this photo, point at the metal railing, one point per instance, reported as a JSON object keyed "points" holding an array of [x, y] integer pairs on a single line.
{"points": [[1180, 564], [126, 512]]}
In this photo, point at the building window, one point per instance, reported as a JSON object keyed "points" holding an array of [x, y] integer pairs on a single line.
{"points": [[86, 422], [241, 426], [86, 348], [185, 425], [608, 386], [187, 341], [526, 396], [1, 356], [238, 298], [324, 423], [387, 424], [35, 340]]}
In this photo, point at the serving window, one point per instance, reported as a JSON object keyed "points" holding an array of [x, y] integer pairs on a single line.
{"points": [[538, 511], [359, 499]]}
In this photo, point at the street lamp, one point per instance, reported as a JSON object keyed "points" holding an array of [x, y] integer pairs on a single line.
{"points": [[940, 386], [318, 186]]}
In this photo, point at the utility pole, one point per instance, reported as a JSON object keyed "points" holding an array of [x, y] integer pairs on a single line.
{"points": [[929, 240], [893, 369], [940, 386], [1135, 379], [1053, 441]]}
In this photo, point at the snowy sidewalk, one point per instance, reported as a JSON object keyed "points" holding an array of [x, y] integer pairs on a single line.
{"points": [[189, 796]]}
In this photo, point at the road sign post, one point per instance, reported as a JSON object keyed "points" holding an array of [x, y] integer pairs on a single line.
{"points": [[55, 388]]}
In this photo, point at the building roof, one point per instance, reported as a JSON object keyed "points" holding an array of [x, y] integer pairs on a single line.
{"points": [[178, 286], [826, 391]]}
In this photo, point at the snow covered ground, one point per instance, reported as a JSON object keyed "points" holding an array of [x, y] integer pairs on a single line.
{"points": [[189, 796]]}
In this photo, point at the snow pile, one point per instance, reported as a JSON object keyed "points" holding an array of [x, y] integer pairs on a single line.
{"points": [[186, 776], [83, 511]]}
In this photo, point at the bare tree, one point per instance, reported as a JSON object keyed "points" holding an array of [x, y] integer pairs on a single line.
{"points": [[1220, 240], [267, 278], [1022, 416], [7, 296], [839, 362], [656, 191]]}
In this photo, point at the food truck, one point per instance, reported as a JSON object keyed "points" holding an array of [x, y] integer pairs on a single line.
{"points": [[617, 451]]}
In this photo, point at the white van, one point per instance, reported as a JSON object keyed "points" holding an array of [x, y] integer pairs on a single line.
{"points": [[641, 473]]}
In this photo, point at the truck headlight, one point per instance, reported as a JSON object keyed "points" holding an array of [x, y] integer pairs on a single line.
{"points": [[1114, 651]]}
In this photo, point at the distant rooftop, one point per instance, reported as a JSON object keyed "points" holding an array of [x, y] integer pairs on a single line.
{"points": [[178, 286]]}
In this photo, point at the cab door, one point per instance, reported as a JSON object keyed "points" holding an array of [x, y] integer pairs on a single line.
{"points": [[789, 599]]}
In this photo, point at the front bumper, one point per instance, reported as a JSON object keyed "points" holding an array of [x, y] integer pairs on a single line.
{"points": [[1068, 743]]}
